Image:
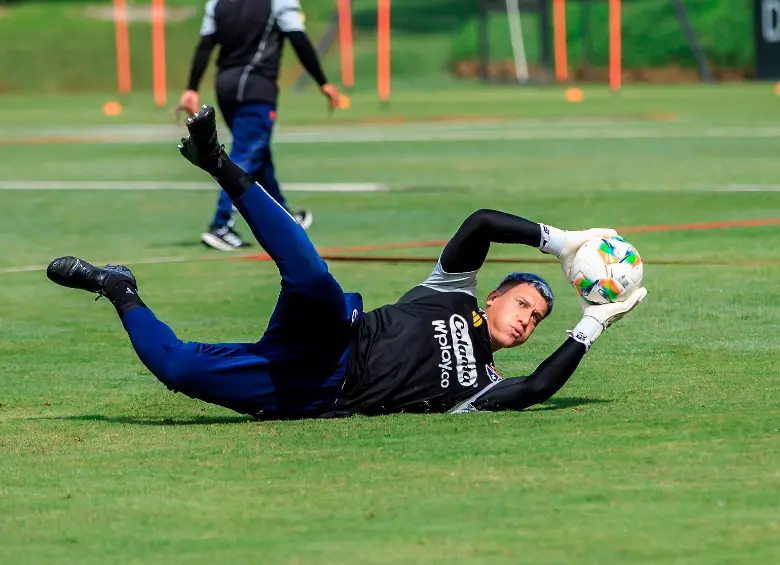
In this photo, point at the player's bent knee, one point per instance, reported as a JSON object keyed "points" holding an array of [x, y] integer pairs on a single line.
{"points": [[177, 377], [175, 370]]}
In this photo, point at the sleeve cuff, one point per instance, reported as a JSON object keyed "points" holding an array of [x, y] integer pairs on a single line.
{"points": [[553, 240], [587, 330]]}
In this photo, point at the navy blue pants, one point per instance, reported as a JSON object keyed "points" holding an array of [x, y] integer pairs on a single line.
{"points": [[298, 367], [251, 125]]}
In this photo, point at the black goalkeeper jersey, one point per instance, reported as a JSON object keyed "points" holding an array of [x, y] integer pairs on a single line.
{"points": [[428, 352], [431, 350]]}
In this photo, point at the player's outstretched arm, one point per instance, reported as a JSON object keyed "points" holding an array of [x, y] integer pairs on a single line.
{"points": [[518, 393], [521, 392], [467, 249], [465, 252]]}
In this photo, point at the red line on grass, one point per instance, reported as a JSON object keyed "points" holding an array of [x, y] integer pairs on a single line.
{"points": [[702, 226], [335, 251], [356, 248], [544, 260], [539, 260]]}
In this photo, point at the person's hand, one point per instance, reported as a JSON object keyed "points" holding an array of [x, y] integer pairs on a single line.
{"points": [[598, 317], [331, 92], [576, 239], [189, 102], [608, 314]]}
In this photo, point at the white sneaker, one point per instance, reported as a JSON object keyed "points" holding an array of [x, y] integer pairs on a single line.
{"points": [[304, 218], [223, 238]]}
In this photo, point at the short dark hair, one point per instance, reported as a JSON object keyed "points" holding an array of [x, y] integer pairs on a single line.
{"points": [[535, 281]]}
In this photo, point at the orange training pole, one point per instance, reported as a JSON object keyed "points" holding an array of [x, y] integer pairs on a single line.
{"points": [[122, 47], [615, 73], [383, 49], [559, 31], [345, 43], [158, 51]]}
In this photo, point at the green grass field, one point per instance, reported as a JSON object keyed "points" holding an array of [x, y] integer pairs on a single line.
{"points": [[663, 448]]}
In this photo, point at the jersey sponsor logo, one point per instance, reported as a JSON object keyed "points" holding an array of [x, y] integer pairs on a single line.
{"points": [[442, 338], [476, 318], [457, 351], [493, 374], [466, 364]]}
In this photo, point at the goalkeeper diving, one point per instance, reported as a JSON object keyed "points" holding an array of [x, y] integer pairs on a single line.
{"points": [[321, 355]]}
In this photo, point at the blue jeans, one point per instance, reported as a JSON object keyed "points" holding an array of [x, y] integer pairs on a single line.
{"points": [[299, 366], [251, 125]]}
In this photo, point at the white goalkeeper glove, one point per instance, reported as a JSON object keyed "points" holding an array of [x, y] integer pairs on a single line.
{"points": [[598, 317], [565, 244]]}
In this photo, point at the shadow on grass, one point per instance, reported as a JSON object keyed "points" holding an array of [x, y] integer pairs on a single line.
{"points": [[563, 403], [195, 421], [570, 402]]}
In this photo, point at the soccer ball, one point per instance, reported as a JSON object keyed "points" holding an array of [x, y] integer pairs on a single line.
{"points": [[606, 270]]}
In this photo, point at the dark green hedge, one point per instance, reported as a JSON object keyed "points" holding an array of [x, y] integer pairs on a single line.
{"points": [[651, 34]]}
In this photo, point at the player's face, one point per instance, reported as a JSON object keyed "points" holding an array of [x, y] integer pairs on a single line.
{"points": [[513, 314]]}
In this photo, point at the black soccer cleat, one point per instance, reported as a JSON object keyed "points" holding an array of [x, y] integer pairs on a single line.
{"points": [[72, 272], [202, 147]]}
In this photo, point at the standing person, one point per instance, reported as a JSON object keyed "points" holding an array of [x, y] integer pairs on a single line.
{"points": [[250, 35]]}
